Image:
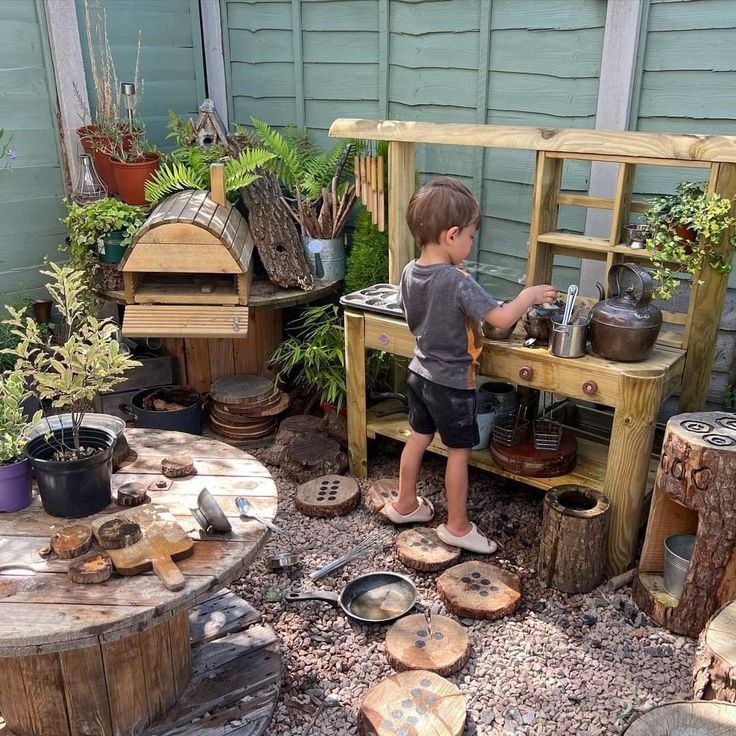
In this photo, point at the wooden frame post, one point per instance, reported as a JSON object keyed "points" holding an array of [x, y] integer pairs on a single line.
{"points": [[401, 185], [547, 181], [355, 373]]}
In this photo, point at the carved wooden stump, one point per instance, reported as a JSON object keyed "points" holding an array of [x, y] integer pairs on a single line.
{"points": [[421, 549], [688, 718], [412, 702], [572, 552], [380, 492], [327, 496], [714, 672], [694, 493], [439, 645], [479, 590]]}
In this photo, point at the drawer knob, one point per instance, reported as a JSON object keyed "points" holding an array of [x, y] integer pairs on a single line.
{"points": [[590, 388], [526, 372]]}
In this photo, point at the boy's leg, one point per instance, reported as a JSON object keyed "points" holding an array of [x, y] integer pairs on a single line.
{"points": [[456, 484], [411, 461]]}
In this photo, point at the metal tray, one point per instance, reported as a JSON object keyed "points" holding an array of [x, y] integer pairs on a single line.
{"points": [[381, 298]]}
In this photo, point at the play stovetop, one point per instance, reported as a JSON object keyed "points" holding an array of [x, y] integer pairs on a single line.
{"points": [[382, 298]]}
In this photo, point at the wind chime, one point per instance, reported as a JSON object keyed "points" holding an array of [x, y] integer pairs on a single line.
{"points": [[369, 173]]}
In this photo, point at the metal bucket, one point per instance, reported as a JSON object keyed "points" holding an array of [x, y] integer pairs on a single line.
{"points": [[568, 341], [678, 549], [496, 396], [326, 258]]}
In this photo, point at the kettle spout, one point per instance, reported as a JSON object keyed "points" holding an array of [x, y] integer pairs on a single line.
{"points": [[601, 293]]}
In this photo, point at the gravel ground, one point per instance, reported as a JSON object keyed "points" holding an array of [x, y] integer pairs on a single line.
{"points": [[579, 664]]}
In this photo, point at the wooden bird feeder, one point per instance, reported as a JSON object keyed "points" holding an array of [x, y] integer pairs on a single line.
{"points": [[189, 269]]}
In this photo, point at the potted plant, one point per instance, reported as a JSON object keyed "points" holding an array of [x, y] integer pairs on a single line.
{"points": [[134, 162], [686, 230], [15, 468], [72, 465]]}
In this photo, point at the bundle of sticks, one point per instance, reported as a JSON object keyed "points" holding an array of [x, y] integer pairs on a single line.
{"points": [[324, 219]]}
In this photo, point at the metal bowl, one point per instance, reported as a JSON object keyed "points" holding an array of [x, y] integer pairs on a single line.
{"points": [[209, 514], [283, 560]]}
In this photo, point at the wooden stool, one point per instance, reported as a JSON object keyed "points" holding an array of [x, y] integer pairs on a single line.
{"points": [[479, 590], [714, 672], [694, 493], [686, 719], [421, 549], [572, 553], [439, 645], [413, 702], [381, 492], [327, 496]]}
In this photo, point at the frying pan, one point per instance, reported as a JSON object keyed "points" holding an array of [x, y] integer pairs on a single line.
{"points": [[374, 598]]}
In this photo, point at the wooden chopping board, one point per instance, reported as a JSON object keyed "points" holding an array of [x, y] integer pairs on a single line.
{"points": [[163, 542]]}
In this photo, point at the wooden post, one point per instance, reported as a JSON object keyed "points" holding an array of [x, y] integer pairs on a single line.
{"points": [[355, 372], [714, 671], [401, 185], [627, 470], [217, 183]]}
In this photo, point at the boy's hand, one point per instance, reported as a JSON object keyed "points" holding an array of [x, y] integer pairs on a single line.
{"points": [[544, 294]]}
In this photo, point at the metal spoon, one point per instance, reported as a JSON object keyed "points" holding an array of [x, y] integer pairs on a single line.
{"points": [[246, 509]]}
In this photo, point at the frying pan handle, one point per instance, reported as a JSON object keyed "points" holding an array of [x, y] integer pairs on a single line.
{"points": [[312, 595], [128, 409]]}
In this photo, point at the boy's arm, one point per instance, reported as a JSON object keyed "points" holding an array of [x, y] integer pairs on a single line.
{"points": [[510, 313]]}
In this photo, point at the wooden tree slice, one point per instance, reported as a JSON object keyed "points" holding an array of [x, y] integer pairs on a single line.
{"points": [[118, 533], [177, 466], [714, 672], [71, 541], [380, 492], [246, 430], [328, 495], [421, 549], [414, 703], [132, 494], [96, 567], [478, 590], [270, 408], [243, 388], [314, 456], [687, 718], [442, 647]]}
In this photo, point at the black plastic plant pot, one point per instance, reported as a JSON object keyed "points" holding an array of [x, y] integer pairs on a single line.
{"points": [[73, 488]]}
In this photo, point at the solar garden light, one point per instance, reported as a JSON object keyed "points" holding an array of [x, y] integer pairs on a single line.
{"points": [[127, 89]]}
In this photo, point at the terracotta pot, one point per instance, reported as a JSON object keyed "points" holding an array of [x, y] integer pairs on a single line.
{"points": [[688, 234], [131, 178]]}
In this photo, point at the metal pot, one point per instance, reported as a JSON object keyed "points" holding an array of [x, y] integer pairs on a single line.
{"points": [[625, 326], [188, 419], [374, 598], [537, 320], [568, 341]]}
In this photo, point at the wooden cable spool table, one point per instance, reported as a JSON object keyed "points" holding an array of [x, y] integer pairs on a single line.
{"points": [[111, 658]]}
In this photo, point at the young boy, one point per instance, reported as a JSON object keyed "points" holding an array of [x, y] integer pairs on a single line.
{"points": [[444, 308]]}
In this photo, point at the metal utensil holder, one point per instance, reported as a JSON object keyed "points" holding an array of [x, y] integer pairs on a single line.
{"points": [[547, 431], [510, 430]]}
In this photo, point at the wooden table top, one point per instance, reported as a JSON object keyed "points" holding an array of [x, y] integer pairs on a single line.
{"points": [[42, 610]]}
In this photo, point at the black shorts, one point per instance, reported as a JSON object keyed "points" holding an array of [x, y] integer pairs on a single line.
{"points": [[449, 411]]}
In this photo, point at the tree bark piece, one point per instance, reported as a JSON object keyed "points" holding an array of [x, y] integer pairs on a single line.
{"points": [[274, 234], [572, 552], [95, 567], [71, 541], [177, 466], [714, 672], [291, 429], [412, 702], [327, 496], [687, 718], [381, 492], [694, 492], [479, 590], [421, 549], [118, 533], [132, 494], [314, 456], [441, 647]]}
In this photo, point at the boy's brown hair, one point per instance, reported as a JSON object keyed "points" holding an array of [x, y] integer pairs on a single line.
{"points": [[440, 204]]}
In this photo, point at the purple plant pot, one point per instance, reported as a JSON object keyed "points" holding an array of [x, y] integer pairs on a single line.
{"points": [[15, 486]]}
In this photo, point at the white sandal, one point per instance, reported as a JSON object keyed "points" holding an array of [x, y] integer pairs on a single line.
{"points": [[422, 513], [473, 541]]}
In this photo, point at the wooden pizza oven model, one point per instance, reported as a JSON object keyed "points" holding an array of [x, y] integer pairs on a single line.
{"points": [[189, 269]]}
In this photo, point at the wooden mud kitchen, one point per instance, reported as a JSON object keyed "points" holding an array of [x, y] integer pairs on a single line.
{"points": [[678, 364]]}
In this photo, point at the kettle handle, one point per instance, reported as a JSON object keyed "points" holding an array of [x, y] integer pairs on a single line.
{"points": [[646, 282]]}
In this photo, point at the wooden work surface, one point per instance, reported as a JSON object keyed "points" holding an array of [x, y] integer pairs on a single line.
{"points": [[44, 612]]}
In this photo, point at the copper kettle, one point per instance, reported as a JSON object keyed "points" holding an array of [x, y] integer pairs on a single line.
{"points": [[625, 326]]}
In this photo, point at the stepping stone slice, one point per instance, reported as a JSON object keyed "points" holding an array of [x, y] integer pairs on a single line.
{"points": [[421, 549], [380, 492], [442, 647], [328, 495], [412, 703], [478, 590]]}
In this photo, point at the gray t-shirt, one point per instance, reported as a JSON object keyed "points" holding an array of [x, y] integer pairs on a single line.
{"points": [[444, 306]]}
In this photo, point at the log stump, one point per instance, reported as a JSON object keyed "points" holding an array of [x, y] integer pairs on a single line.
{"points": [[291, 429], [686, 718], [694, 493], [437, 644], [327, 496], [381, 492], [714, 672], [314, 456], [412, 702], [479, 590], [572, 551], [421, 549]]}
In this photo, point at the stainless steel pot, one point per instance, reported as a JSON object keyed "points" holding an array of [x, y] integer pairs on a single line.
{"points": [[568, 341]]}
